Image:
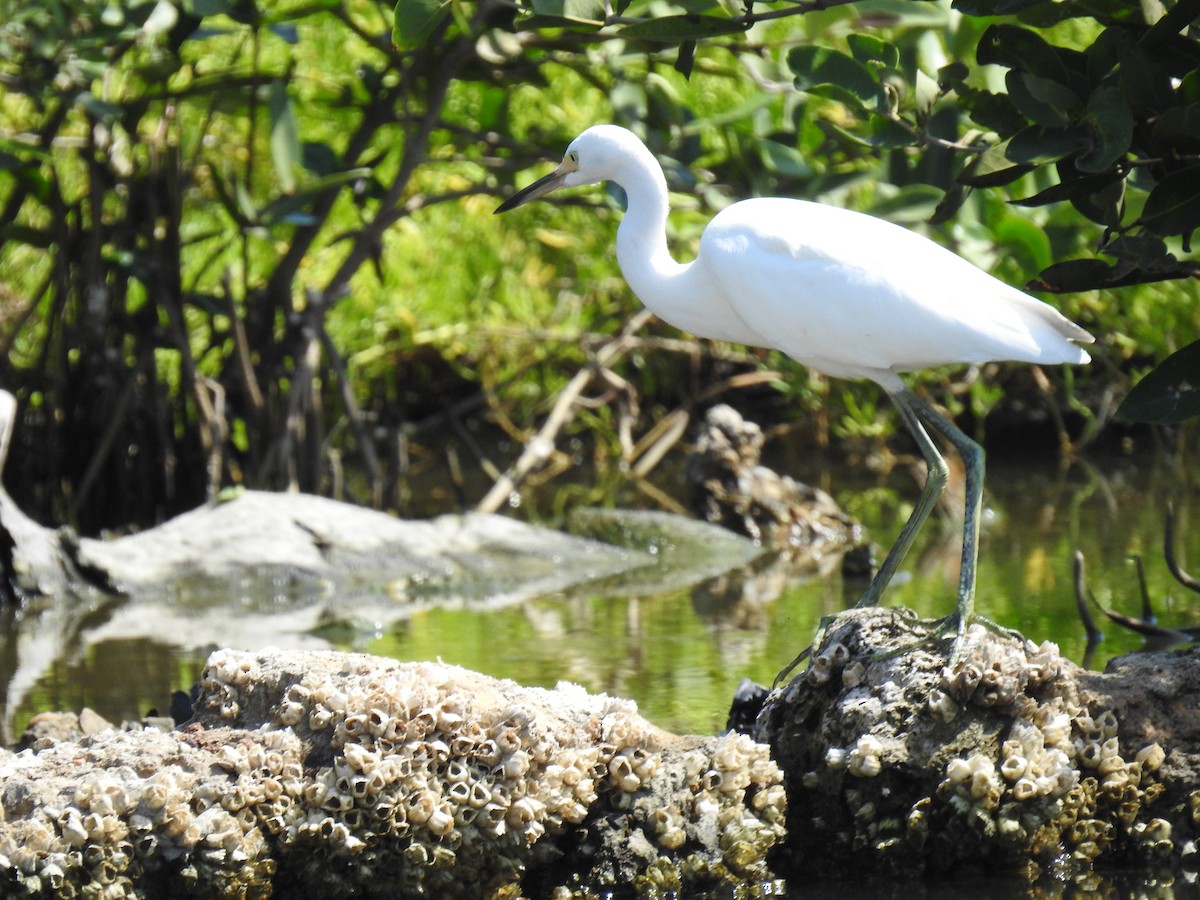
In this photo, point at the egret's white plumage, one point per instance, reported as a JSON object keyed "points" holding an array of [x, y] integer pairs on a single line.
{"points": [[846, 293]]}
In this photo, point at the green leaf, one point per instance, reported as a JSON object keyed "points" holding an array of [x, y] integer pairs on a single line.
{"points": [[784, 160], [1038, 144], [992, 168], [1179, 126], [1022, 50], [588, 12], [1111, 124], [293, 206], [1169, 394], [869, 49], [97, 108], [285, 140], [1072, 275], [1043, 100], [415, 21], [209, 7], [912, 204], [675, 29], [1173, 207], [829, 73]]}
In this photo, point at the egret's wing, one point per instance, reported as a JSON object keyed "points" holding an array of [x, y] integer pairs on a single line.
{"points": [[852, 295]]}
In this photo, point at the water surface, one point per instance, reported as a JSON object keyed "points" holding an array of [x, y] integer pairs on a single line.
{"points": [[681, 654]]}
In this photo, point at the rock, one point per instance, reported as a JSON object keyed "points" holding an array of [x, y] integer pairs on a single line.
{"points": [[332, 775], [731, 488], [1013, 760]]}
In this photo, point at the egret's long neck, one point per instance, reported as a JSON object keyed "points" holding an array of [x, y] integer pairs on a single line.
{"points": [[642, 236], [679, 293]]}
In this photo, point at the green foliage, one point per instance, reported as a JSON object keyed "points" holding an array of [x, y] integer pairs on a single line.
{"points": [[244, 240]]}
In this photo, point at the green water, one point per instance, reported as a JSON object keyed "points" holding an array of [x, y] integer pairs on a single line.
{"points": [[681, 654]]}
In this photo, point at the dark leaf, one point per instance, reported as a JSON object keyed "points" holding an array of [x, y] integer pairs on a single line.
{"points": [[1042, 100], [950, 204], [25, 234], [676, 29], [1179, 127], [994, 111], [1068, 190], [1111, 124], [993, 7], [319, 158], [1072, 275], [992, 168], [1168, 395], [1023, 50], [952, 74], [1173, 207], [1038, 144], [1095, 274], [1144, 81], [686, 58]]}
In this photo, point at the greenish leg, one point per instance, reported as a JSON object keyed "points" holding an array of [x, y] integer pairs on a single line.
{"points": [[915, 411], [911, 407]]}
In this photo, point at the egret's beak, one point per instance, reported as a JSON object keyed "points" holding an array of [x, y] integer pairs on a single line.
{"points": [[539, 188]]}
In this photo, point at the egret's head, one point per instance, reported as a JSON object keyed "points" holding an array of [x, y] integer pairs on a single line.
{"points": [[592, 157]]}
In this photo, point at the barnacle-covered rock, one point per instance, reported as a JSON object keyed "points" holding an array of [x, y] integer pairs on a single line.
{"points": [[1011, 758], [327, 774]]}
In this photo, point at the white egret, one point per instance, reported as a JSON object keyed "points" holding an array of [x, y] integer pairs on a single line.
{"points": [[848, 294]]}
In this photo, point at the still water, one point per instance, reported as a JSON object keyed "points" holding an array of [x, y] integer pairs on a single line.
{"points": [[680, 654]]}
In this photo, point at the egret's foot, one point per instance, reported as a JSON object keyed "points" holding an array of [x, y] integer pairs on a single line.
{"points": [[807, 653], [958, 623]]}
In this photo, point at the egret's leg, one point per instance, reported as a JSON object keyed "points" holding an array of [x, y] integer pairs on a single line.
{"points": [[973, 462], [911, 407], [915, 411]]}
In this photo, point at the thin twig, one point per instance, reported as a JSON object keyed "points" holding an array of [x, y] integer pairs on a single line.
{"points": [[539, 448]]}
